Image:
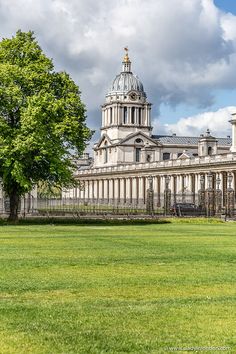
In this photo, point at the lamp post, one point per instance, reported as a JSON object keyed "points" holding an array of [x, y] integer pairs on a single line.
{"points": [[230, 196], [150, 196], [167, 195], [218, 196], [210, 195]]}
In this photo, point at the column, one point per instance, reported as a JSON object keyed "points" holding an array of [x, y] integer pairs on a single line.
{"points": [[172, 188], [125, 190], [141, 194], [122, 180], [129, 115], [134, 190]]}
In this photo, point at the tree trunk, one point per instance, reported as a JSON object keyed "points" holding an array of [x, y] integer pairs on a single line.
{"points": [[14, 205]]}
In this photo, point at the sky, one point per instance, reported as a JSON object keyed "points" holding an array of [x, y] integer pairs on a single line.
{"points": [[184, 52]]}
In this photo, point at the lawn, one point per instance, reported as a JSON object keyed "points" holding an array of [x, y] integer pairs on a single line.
{"points": [[117, 289]]}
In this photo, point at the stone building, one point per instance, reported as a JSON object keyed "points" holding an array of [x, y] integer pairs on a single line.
{"points": [[129, 159]]}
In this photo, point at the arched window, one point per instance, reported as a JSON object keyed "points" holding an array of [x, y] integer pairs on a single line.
{"points": [[132, 115], [125, 118], [209, 150], [110, 115]]}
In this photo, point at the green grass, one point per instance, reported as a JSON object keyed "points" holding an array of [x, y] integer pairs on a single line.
{"points": [[117, 289]]}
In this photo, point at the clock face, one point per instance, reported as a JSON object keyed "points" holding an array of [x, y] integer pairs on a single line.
{"points": [[133, 96]]}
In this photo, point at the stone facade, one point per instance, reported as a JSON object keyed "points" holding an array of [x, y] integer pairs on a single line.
{"points": [[128, 156]]}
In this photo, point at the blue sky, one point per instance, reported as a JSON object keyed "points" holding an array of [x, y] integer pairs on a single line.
{"points": [[226, 5]]}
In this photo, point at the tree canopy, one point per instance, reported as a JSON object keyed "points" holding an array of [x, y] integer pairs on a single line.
{"points": [[42, 120]]}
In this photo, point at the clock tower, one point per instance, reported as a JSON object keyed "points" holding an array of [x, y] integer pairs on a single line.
{"points": [[126, 109]]}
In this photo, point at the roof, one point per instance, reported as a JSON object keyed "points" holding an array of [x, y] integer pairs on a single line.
{"points": [[186, 140]]}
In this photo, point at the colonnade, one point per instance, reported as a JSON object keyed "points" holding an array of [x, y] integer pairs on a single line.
{"points": [[132, 190], [114, 115]]}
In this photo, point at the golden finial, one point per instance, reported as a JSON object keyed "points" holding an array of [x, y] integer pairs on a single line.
{"points": [[126, 58]]}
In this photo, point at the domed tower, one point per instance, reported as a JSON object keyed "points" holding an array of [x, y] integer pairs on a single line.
{"points": [[125, 115], [126, 109]]}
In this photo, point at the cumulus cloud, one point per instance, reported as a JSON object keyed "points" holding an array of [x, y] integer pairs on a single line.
{"points": [[181, 49], [217, 122]]}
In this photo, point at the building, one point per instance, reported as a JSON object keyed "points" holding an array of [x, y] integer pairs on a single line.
{"points": [[130, 161]]}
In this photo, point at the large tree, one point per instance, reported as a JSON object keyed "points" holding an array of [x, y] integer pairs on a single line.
{"points": [[42, 120]]}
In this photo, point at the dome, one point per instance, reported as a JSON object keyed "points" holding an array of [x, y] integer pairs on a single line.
{"points": [[126, 81]]}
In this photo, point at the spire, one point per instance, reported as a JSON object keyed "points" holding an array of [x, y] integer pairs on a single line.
{"points": [[126, 64]]}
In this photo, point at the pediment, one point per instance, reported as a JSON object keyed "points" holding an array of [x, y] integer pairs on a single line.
{"points": [[185, 156], [103, 141], [139, 138]]}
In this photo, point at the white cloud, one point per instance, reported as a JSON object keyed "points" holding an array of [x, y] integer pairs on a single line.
{"points": [[217, 122], [181, 49]]}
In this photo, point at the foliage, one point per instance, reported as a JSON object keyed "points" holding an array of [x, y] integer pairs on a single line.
{"points": [[117, 289], [42, 119], [45, 190]]}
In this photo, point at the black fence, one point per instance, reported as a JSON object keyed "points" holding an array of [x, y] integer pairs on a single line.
{"points": [[164, 205]]}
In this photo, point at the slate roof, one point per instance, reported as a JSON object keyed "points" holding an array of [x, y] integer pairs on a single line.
{"points": [[186, 140]]}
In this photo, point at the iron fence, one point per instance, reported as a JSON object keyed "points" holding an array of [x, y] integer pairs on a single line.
{"points": [[165, 204]]}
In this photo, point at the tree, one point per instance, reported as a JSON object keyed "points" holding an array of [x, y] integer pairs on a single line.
{"points": [[42, 120]]}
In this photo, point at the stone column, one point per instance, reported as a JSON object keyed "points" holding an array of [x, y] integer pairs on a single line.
{"points": [[141, 194], [129, 115], [134, 190], [122, 191], [116, 191], [155, 190], [126, 190]]}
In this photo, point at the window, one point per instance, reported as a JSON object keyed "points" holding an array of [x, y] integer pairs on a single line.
{"points": [[110, 115], [139, 141], [209, 150], [166, 156], [125, 115], [105, 153], [140, 116], [137, 154], [132, 115]]}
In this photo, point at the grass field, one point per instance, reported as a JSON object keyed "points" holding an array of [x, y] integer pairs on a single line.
{"points": [[117, 289]]}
